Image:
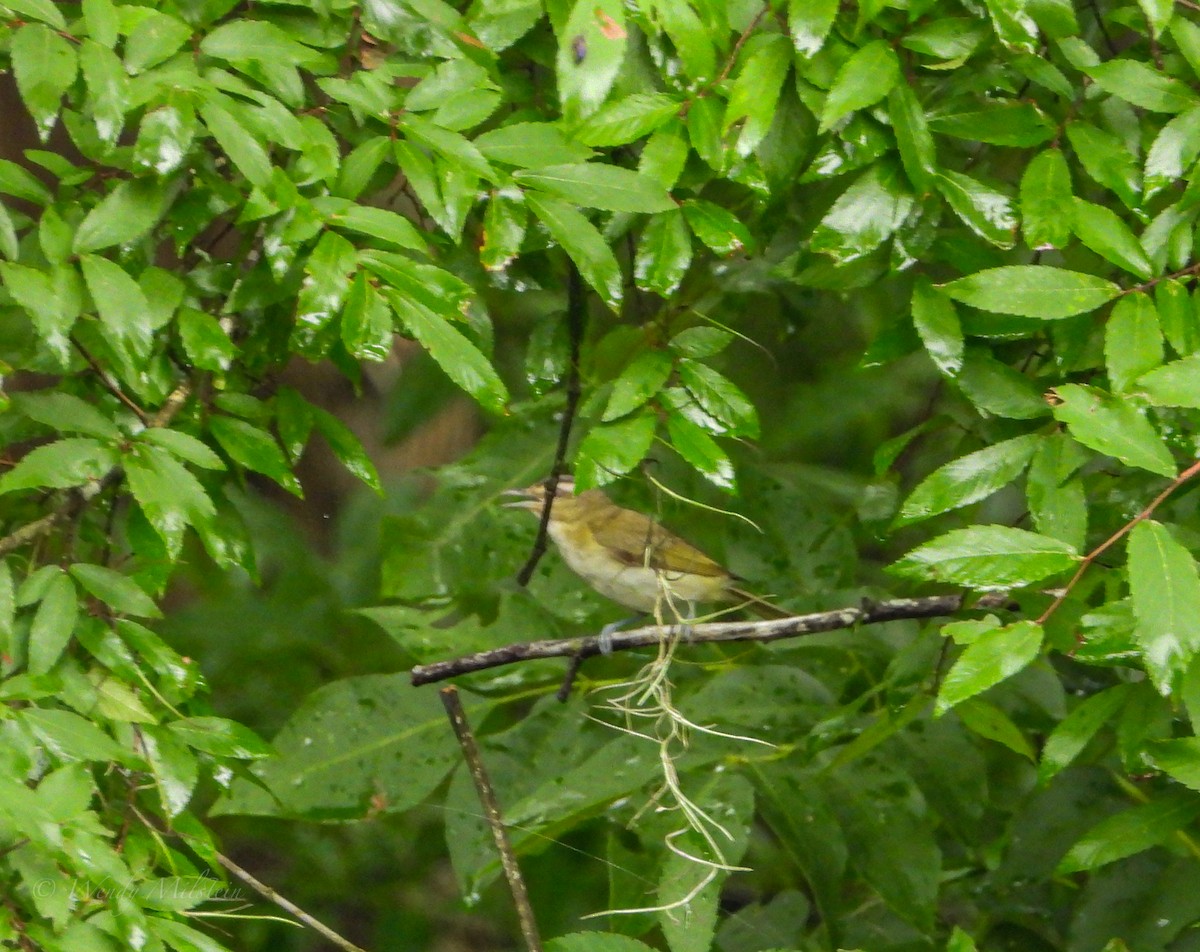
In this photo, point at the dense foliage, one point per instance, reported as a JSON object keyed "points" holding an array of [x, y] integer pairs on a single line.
{"points": [[803, 228]]}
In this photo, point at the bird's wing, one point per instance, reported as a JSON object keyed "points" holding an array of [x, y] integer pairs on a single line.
{"points": [[627, 535]]}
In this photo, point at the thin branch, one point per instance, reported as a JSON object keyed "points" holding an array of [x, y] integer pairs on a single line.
{"points": [[491, 809], [576, 316], [287, 905], [711, 633], [1116, 537], [106, 379]]}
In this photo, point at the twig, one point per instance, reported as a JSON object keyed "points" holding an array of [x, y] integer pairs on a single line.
{"points": [[491, 809], [287, 905], [576, 314], [109, 384], [1116, 537], [710, 633], [727, 67]]}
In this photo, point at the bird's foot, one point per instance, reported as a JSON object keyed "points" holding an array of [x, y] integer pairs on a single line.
{"points": [[605, 637]]}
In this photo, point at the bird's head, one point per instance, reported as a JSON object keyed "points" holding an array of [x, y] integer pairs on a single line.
{"points": [[568, 507]]}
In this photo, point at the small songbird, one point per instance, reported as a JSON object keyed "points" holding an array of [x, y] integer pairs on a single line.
{"points": [[630, 558]]}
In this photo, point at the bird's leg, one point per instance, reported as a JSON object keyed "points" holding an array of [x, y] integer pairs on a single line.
{"points": [[606, 633]]}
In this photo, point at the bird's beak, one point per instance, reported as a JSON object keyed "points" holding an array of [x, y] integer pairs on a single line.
{"points": [[527, 498]]}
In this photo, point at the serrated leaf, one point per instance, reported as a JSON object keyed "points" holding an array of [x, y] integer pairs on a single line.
{"points": [[613, 449], [991, 723], [165, 138], [50, 307], [864, 216], [125, 214], [1166, 602], [60, 465], [862, 80], [988, 557], [183, 446], [347, 448], [119, 592], [717, 227], [1143, 86], [809, 23], [1075, 731], [701, 341], [379, 223], [1130, 832], [462, 361], [44, 65], [504, 225], [323, 292], [591, 48], [220, 737], [169, 495], [664, 253], [701, 452], [1176, 384], [1057, 501], [366, 321], [67, 414], [720, 398], [53, 623], [1045, 192], [1133, 343], [1102, 230], [1032, 291], [1018, 124], [627, 120], [452, 146], [917, 151], [1179, 758], [107, 85], [639, 382], [969, 478], [121, 303], [531, 145], [205, 342], [255, 449], [594, 185], [938, 326], [985, 210], [1110, 425], [1173, 152], [583, 244], [1105, 158], [754, 96], [995, 656], [237, 142]]}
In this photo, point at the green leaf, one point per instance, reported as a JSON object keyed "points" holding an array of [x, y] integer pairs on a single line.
{"points": [[43, 10], [21, 183], [809, 23], [165, 138], [1143, 86], [1133, 343], [169, 495], [596, 942], [969, 478], [1012, 23], [1032, 291], [594, 185], [458, 357], [1174, 151], [701, 452], [100, 17], [755, 93], [44, 65], [985, 210], [124, 310], [53, 623], [70, 736], [729, 411], [988, 557], [627, 120], [1045, 193], [108, 89], [591, 48], [583, 244], [938, 326], [237, 142], [993, 657], [1131, 831], [1102, 230], [701, 341], [692, 40], [60, 465], [504, 223], [220, 737], [641, 381], [613, 449], [861, 81], [67, 414], [126, 213], [864, 216], [366, 321], [1057, 501], [1176, 384], [347, 448], [51, 306], [119, 592], [255, 449], [717, 227], [1105, 158], [664, 155], [664, 253], [1075, 731], [452, 146], [155, 37], [206, 343], [374, 222], [531, 145], [246, 39], [1110, 425], [991, 723], [1166, 602], [323, 292], [182, 446], [1176, 316], [1180, 758], [918, 154], [1019, 124]]}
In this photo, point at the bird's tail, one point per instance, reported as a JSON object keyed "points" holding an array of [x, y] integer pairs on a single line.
{"points": [[760, 606]]}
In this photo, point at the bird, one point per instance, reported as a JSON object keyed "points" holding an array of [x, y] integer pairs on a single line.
{"points": [[628, 557]]}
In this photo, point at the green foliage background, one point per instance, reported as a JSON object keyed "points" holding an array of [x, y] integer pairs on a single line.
{"points": [[909, 284]]}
